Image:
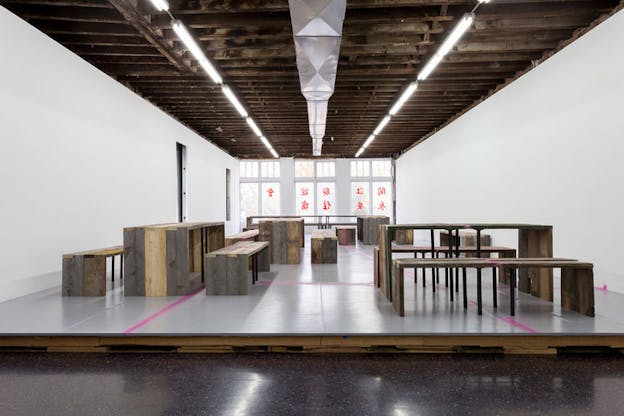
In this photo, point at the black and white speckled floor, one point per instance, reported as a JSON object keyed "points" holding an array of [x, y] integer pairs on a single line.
{"points": [[309, 384]]}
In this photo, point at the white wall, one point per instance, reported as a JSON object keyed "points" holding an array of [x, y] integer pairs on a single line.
{"points": [[549, 149], [82, 156]]}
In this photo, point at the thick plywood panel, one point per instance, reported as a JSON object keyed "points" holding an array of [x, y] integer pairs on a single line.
{"points": [[155, 262], [94, 276]]}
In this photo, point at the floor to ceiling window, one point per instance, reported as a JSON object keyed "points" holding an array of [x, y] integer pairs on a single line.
{"points": [[371, 187], [259, 188], [315, 187]]}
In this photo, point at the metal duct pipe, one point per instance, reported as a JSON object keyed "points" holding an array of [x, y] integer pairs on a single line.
{"points": [[317, 29]]}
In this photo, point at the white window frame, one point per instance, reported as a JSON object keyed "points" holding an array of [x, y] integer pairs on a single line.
{"points": [[370, 180], [260, 180], [315, 180]]}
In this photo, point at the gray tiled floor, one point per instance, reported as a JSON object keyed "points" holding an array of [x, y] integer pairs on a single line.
{"points": [[305, 299]]}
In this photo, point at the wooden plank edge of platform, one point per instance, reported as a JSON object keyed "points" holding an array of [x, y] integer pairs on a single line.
{"points": [[505, 344]]}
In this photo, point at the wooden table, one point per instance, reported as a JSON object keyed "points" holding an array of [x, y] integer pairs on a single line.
{"points": [[368, 228], [167, 259], [285, 236], [533, 241]]}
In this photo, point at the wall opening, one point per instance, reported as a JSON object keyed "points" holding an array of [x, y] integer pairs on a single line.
{"points": [[228, 178], [181, 169]]}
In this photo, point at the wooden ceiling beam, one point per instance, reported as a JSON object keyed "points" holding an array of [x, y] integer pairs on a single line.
{"points": [[134, 16]]}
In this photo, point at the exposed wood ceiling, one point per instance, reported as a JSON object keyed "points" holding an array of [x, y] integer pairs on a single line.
{"points": [[384, 44]]}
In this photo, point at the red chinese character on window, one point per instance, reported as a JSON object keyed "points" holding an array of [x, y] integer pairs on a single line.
{"points": [[270, 191], [304, 191], [305, 205], [326, 191], [381, 190], [326, 205], [359, 190], [359, 206], [381, 206]]}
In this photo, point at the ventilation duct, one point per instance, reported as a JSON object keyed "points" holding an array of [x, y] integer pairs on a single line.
{"points": [[317, 29]]}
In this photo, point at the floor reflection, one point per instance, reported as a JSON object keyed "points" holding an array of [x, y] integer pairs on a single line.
{"points": [[314, 384]]}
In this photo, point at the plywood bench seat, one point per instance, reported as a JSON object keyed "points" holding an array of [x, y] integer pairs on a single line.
{"points": [[502, 252], [84, 272], [408, 248], [324, 247], [249, 235], [227, 268], [577, 279]]}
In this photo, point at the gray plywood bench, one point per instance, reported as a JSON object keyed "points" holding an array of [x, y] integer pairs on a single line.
{"points": [[84, 273], [227, 268], [577, 279], [324, 247]]}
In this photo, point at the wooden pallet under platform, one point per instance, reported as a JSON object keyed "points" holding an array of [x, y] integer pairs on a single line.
{"points": [[495, 344]]}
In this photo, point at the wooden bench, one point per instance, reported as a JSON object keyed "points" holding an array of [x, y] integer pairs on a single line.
{"points": [[227, 270], [346, 235], [84, 273], [324, 247], [577, 279], [468, 251], [249, 235]]}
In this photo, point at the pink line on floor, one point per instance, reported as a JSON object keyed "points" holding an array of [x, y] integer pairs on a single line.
{"points": [[162, 311], [602, 289], [517, 324], [511, 321]]}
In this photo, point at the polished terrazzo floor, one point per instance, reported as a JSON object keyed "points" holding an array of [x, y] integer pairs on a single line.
{"points": [[305, 299], [309, 384]]}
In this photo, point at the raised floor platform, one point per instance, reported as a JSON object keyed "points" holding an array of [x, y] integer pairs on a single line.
{"points": [[307, 307]]}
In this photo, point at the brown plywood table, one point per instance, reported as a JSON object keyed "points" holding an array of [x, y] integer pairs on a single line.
{"points": [[368, 228], [285, 237], [534, 240], [167, 259]]}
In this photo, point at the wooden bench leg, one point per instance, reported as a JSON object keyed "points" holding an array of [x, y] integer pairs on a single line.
{"points": [[376, 266], [446, 274], [512, 288], [264, 260], [577, 290], [398, 301], [464, 288], [494, 288], [479, 293], [254, 268]]}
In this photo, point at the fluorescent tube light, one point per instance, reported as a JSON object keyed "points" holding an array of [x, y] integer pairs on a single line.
{"points": [[404, 97], [253, 126], [368, 141], [237, 104], [274, 153], [161, 5], [359, 152], [381, 125], [266, 142], [211, 71], [186, 37], [484, 1], [448, 44]]}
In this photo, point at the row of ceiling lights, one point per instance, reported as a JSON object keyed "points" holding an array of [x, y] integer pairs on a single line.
{"points": [[190, 43], [449, 42]]}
